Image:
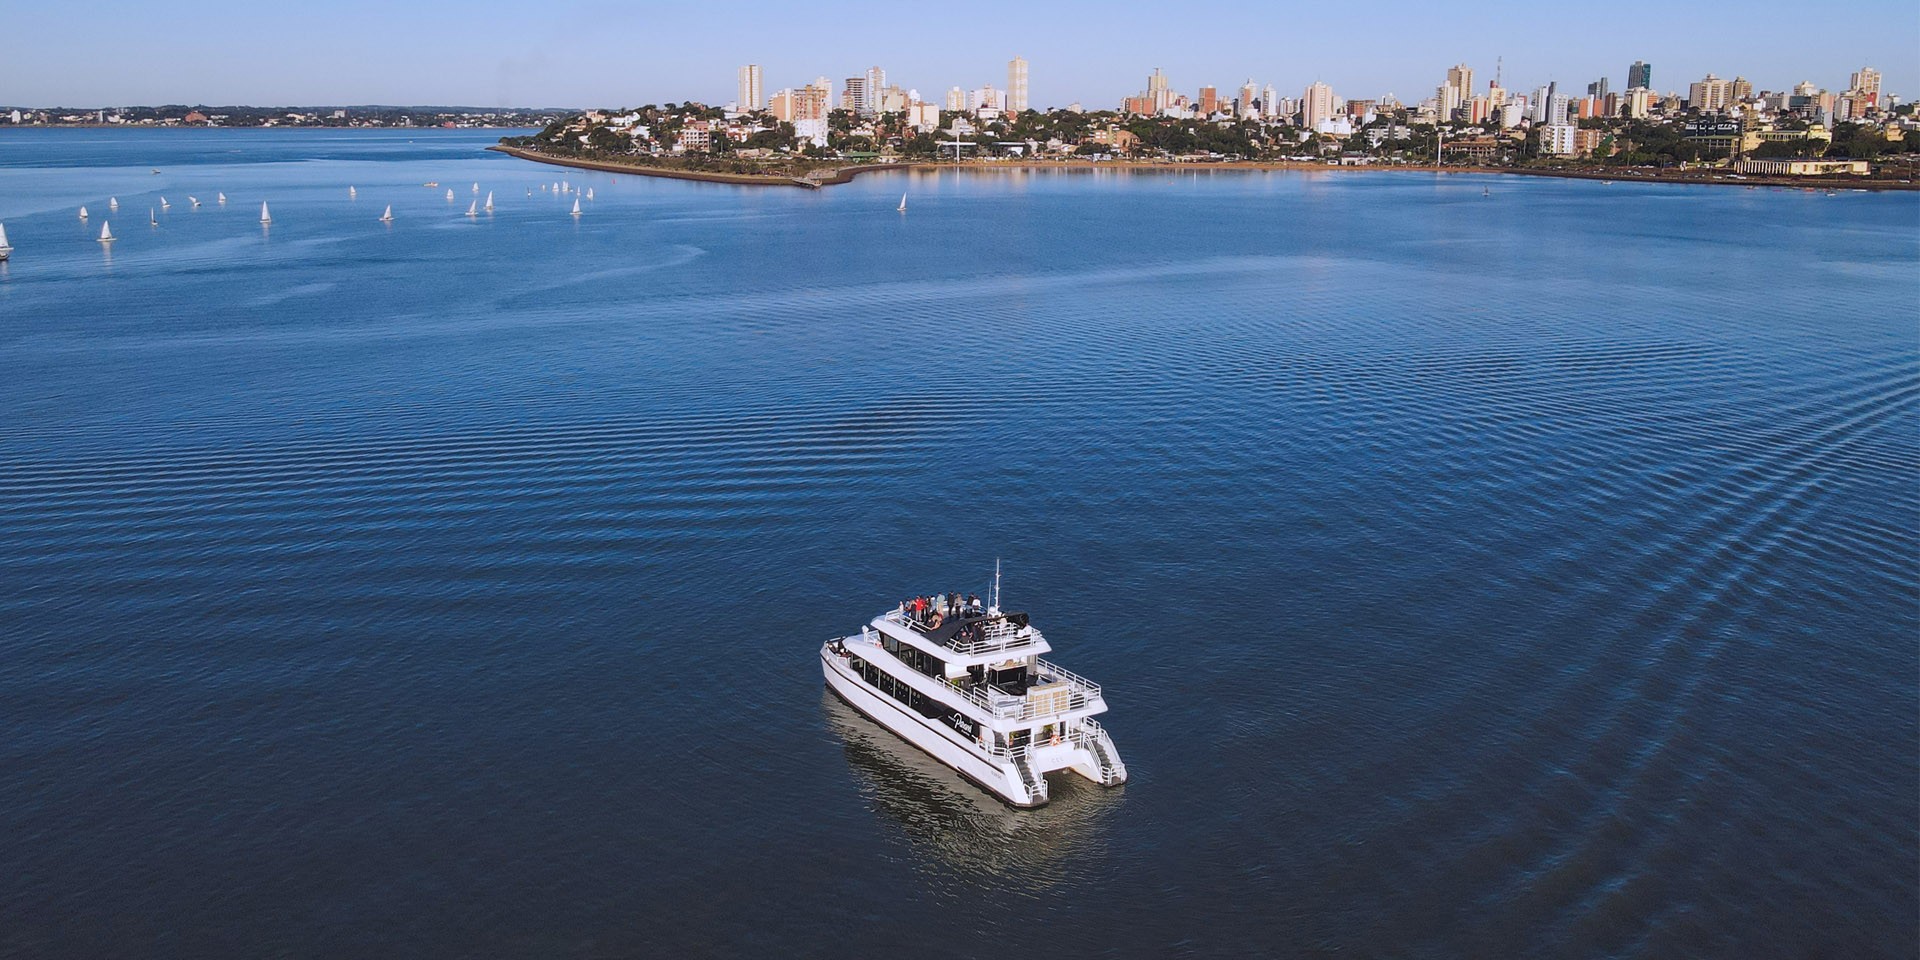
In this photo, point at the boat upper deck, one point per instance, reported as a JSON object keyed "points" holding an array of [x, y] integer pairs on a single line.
{"points": [[969, 634]]}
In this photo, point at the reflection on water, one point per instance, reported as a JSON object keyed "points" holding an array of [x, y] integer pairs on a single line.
{"points": [[963, 826]]}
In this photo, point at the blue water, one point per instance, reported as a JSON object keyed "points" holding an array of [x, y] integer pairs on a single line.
{"points": [[1476, 566]]}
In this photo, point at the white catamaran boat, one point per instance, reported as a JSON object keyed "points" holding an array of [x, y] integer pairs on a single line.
{"points": [[967, 685], [5, 250]]}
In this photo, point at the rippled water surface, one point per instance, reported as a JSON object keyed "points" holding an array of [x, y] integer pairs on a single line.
{"points": [[1475, 566]]}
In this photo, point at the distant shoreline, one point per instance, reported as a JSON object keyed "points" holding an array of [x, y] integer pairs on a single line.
{"points": [[846, 174]]}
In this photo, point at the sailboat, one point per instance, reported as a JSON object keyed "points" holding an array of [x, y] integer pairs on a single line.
{"points": [[576, 206], [903, 203], [473, 208], [164, 204], [264, 217], [589, 193], [566, 187], [113, 203], [220, 198], [5, 251], [489, 201], [476, 188], [195, 201], [83, 213], [449, 196], [106, 232], [388, 216], [152, 221], [352, 193]]}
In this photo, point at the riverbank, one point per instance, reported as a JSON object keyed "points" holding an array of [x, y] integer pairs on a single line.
{"points": [[846, 174]]}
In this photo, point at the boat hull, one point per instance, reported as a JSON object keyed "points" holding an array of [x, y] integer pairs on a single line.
{"points": [[1001, 779]]}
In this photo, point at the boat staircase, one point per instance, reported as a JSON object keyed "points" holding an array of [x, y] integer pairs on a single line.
{"points": [[1035, 783], [1106, 761]]}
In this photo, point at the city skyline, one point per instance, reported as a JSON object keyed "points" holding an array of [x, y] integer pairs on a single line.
{"points": [[492, 55]]}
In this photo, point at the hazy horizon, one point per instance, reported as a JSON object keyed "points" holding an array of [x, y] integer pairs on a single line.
{"points": [[488, 54]]}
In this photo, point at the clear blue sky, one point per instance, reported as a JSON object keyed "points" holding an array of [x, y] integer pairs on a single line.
{"points": [[489, 53]]}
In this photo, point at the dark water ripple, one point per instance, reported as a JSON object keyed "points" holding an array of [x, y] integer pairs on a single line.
{"points": [[1532, 574]]}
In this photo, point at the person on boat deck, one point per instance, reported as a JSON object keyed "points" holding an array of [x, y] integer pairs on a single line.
{"points": [[973, 604]]}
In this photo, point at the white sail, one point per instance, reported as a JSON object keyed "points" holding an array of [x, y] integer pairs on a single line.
{"points": [[83, 213], [106, 232], [388, 216], [352, 193], [4, 249], [220, 198], [264, 217], [473, 208], [589, 193], [576, 206], [449, 194], [193, 200], [152, 220], [489, 201], [164, 204], [476, 188], [113, 203], [903, 203]]}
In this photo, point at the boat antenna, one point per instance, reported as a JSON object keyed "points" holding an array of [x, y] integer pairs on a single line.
{"points": [[996, 583]]}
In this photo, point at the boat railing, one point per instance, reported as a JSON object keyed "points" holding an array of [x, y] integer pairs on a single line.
{"points": [[993, 636], [1055, 691]]}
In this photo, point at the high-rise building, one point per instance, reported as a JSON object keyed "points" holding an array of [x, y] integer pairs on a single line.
{"points": [[1598, 89], [1710, 95], [854, 97], [825, 88], [1865, 87], [1209, 101], [1460, 78], [956, 100], [1017, 85], [1559, 107], [1247, 103], [1317, 104], [1158, 93], [876, 84], [1640, 74], [781, 105], [1741, 90], [1269, 102], [750, 98]]}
